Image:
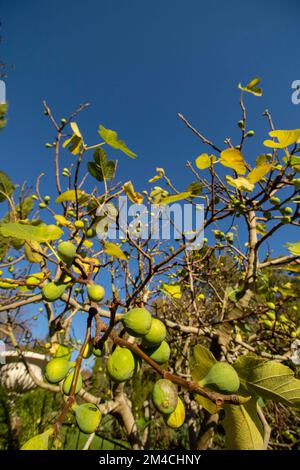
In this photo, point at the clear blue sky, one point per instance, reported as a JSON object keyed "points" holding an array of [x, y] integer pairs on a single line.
{"points": [[139, 63]]}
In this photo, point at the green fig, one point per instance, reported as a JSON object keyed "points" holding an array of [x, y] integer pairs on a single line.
{"points": [[32, 281], [88, 417], [53, 291], [275, 200], [164, 396], [156, 334], [38, 442], [91, 232], [286, 210], [63, 351], [176, 419], [95, 292], [79, 224], [100, 352], [66, 251], [137, 321], [88, 350], [68, 382], [222, 378], [159, 354], [56, 370], [121, 365]]}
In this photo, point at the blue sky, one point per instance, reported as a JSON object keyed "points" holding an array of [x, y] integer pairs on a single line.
{"points": [[139, 63]]}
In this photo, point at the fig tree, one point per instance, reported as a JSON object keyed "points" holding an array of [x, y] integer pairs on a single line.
{"points": [[121, 365], [164, 396], [159, 354], [66, 251], [68, 382], [56, 370], [222, 378], [176, 419], [137, 321], [95, 292], [88, 417], [156, 334]]}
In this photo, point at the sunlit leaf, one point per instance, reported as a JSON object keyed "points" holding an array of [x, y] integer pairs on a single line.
{"points": [[111, 138], [101, 168], [114, 250], [175, 197], [39, 233], [70, 195], [294, 248], [173, 290], [204, 161], [241, 183], [284, 137], [233, 158], [134, 196], [243, 428], [252, 87], [160, 174], [258, 173], [74, 143]]}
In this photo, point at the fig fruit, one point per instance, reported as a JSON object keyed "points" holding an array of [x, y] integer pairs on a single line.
{"points": [[66, 251], [88, 350], [176, 419], [53, 291], [88, 417], [68, 382], [164, 396], [56, 370], [159, 354], [156, 334], [100, 352], [79, 224], [137, 321], [62, 351], [287, 210], [275, 200], [95, 292], [121, 365], [222, 378]]}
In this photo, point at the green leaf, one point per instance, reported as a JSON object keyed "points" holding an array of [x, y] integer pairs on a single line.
{"points": [[195, 188], [175, 197], [6, 186], [233, 158], [201, 362], [243, 428], [252, 87], [101, 168], [294, 248], [114, 250], [39, 233], [269, 379], [75, 142], [70, 195], [39, 442], [111, 138]]}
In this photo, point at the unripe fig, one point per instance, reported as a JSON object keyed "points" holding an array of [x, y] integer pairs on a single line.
{"points": [[275, 200], [137, 321], [176, 419], [42, 205], [121, 365], [164, 396], [90, 233], [95, 292], [88, 350], [157, 333], [222, 378], [47, 199], [53, 291], [250, 133], [62, 351], [66, 251], [48, 145], [68, 382], [88, 417], [56, 370], [159, 354], [79, 224], [286, 220], [287, 211], [241, 124], [100, 352], [32, 281]]}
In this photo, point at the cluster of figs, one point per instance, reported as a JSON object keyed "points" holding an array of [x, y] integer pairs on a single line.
{"points": [[122, 364]]}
